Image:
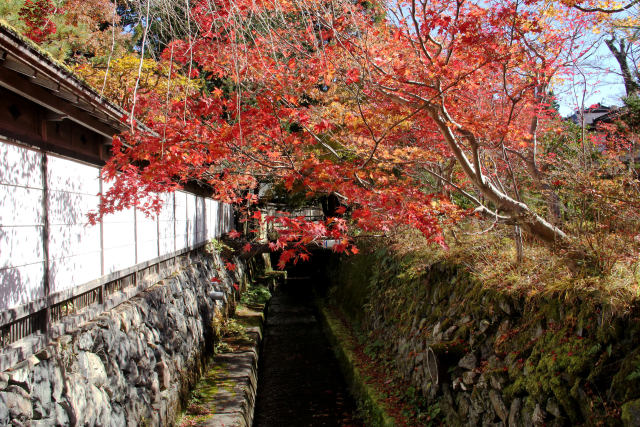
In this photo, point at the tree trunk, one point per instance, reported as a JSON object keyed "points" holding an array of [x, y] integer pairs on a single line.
{"points": [[620, 53], [517, 235], [519, 213]]}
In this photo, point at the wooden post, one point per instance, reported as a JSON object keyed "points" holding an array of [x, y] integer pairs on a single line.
{"points": [[45, 241], [102, 289]]}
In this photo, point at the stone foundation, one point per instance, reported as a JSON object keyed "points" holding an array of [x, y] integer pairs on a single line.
{"points": [[132, 365], [481, 357]]}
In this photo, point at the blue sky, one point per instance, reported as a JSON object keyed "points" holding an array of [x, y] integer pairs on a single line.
{"points": [[606, 89], [603, 83]]}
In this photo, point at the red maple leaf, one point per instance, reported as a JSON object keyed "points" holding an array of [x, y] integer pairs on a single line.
{"points": [[234, 234], [353, 76]]}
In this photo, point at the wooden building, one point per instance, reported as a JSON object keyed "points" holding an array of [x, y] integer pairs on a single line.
{"points": [[57, 271]]}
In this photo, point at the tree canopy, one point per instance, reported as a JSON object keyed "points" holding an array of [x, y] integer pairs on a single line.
{"points": [[409, 112]]}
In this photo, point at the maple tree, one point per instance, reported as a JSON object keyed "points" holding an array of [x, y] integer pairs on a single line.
{"points": [[410, 112], [121, 75], [36, 15]]}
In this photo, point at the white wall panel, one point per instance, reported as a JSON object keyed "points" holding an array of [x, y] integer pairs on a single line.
{"points": [[118, 234], [182, 240], [21, 285], [71, 240], [200, 232], [72, 176], [228, 218], [66, 273], [119, 258], [20, 246], [71, 208], [191, 219], [147, 236], [125, 215], [213, 215], [147, 250], [118, 237], [208, 224], [20, 166], [181, 205], [218, 219], [20, 206], [166, 212], [166, 246], [166, 227]]}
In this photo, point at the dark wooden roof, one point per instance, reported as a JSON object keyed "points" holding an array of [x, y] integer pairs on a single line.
{"points": [[32, 73]]}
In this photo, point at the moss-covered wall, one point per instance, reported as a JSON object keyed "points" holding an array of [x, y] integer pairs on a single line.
{"points": [[486, 357]]}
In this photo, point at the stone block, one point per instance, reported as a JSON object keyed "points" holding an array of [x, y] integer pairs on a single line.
{"points": [[41, 391], [17, 402], [514, 412], [469, 377], [498, 405], [469, 362], [164, 375], [92, 369]]}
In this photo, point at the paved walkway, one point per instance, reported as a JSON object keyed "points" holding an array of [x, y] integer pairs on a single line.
{"points": [[300, 383], [225, 396]]}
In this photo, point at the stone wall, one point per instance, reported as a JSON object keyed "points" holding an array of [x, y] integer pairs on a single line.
{"points": [[483, 357], [132, 365]]}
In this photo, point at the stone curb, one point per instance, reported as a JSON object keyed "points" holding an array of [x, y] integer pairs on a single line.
{"points": [[234, 377], [368, 399]]}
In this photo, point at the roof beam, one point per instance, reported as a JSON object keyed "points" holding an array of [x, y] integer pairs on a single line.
{"points": [[46, 82], [15, 82], [54, 117], [11, 63]]}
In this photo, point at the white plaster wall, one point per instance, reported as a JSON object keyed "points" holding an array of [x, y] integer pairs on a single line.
{"points": [[191, 219], [182, 240], [228, 218], [208, 207], [219, 219], [166, 226], [119, 232], [147, 236], [79, 252], [21, 226], [74, 245], [201, 223]]}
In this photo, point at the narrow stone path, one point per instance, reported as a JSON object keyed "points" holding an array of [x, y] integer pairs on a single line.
{"points": [[299, 383], [225, 394]]}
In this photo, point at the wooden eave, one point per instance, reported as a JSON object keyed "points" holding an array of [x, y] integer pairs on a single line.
{"points": [[31, 73]]}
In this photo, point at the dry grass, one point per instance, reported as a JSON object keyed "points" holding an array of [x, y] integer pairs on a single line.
{"points": [[543, 273]]}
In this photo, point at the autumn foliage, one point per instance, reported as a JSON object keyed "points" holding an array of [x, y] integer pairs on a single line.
{"points": [[412, 113], [36, 15]]}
